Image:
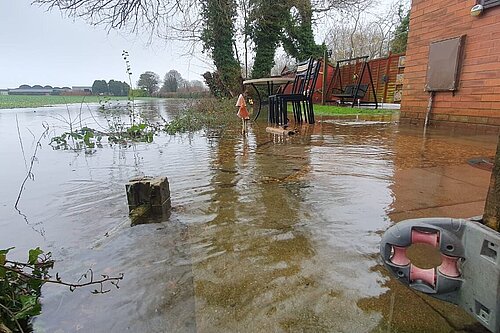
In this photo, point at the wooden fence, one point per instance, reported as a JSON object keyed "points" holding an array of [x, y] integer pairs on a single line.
{"points": [[387, 75]]}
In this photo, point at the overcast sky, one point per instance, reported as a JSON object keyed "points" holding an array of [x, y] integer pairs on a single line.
{"points": [[40, 47]]}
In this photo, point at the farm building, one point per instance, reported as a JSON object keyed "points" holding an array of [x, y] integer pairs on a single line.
{"points": [[83, 89], [27, 90], [453, 56], [37, 90]]}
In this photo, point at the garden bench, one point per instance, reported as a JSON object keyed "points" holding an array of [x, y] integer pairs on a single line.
{"points": [[350, 90]]}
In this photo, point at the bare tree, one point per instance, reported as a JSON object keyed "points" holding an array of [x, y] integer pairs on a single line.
{"points": [[187, 20], [364, 33], [332, 6], [282, 63], [159, 16]]}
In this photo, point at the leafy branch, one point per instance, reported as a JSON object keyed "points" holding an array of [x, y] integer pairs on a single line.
{"points": [[88, 276], [21, 283]]}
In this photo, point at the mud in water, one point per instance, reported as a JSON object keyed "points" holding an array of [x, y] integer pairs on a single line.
{"points": [[266, 234]]}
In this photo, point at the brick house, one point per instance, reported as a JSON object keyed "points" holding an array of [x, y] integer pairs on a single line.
{"points": [[475, 104]]}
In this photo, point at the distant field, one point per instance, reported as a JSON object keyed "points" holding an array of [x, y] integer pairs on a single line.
{"points": [[18, 101]]}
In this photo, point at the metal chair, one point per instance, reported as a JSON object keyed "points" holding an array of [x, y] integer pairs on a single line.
{"points": [[300, 96], [276, 115]]}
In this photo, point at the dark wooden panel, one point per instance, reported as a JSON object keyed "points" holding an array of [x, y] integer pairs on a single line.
{"points": [[444, 64]]}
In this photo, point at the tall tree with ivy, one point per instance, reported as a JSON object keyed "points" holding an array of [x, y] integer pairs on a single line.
{"points": [[298, 37], [268, 18], [218, 40], [282, 22]]}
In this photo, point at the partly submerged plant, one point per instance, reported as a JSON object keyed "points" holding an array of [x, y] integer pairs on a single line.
{"points": [[212, 115], [118, 130], [21, 286], [131, 102], [208, 114], [140, 132], [84, 138]]}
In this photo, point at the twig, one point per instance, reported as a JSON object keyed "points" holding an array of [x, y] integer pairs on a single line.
{"points": [[13, 317], [21, 142], [33, 135], [80, 111], [29, 175], [45, 264], [72, 286], [96, 121]]}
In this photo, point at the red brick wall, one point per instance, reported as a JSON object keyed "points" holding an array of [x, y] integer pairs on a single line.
{"points": [[477, 100]]}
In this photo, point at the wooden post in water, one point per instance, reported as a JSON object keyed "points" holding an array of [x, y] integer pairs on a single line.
{"points": [[147, 196], [280, 131], [325, 72], [491, 216]]}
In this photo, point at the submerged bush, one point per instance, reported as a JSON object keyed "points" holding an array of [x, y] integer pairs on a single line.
{"points": [[208, 114]]}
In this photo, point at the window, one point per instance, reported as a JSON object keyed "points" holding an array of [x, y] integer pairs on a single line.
{"points": [[488, 3]]}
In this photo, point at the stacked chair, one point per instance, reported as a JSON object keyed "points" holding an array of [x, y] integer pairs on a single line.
{"points": [[300, 95]]}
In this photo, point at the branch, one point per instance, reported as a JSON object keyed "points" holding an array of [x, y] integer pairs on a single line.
{"points": [[136, 15], [13, 317], [72, 286], [30, 175]]}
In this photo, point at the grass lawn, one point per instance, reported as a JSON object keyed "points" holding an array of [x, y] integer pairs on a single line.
{"points": [[325, 110], [20, 101]]}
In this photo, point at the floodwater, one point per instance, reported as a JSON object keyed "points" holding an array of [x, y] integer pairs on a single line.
{"points": [[266, 234]]}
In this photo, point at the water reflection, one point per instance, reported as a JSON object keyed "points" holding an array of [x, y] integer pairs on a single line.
{"points": [[249, 255], [266, 233], [431, 179]]}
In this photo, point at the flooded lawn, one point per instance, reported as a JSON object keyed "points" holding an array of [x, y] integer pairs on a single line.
{"points": [[266, 234]]}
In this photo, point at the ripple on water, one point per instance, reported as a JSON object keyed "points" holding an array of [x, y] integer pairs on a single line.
{"points": [[266, 233]]}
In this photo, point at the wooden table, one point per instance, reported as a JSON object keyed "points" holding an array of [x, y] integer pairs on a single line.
{"points": [[270, 82]]}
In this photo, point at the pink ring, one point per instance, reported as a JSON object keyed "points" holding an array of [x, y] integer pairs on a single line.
{"points": [[426, 275], [399, 257], [423, 237], [449, 266]]}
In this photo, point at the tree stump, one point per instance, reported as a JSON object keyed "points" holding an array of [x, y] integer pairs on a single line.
{"points": [[148, 196]]}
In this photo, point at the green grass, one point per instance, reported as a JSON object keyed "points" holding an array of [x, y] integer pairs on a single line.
{"points": [[326, 110], [19, 101]]}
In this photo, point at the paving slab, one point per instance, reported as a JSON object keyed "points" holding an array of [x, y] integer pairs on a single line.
{"points": [[455, 191]]}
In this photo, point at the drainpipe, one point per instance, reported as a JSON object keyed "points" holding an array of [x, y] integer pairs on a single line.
{"points": [[429, 109]]}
